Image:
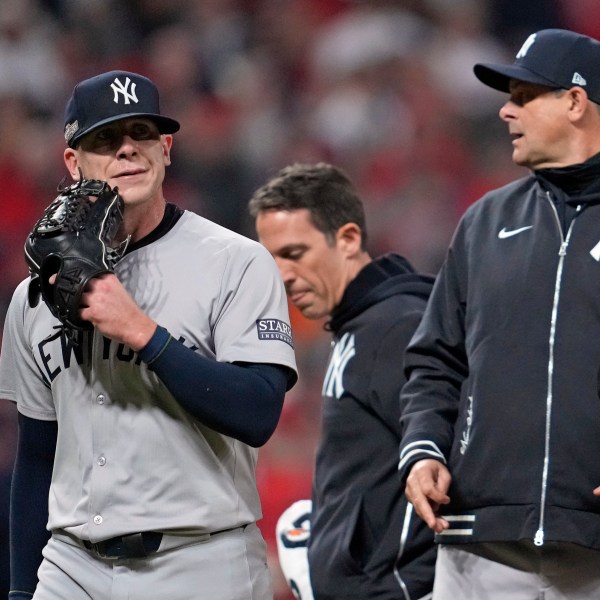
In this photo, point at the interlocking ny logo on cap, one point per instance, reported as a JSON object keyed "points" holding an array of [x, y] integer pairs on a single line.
{"points": [[119, 88], [525, 47]]}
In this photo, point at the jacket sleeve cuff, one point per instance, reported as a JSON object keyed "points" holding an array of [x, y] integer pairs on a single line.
{"points": [[418, 450]]}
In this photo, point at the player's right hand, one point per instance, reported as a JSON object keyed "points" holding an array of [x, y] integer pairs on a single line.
{"points": [[114, 313], [426, 489]]}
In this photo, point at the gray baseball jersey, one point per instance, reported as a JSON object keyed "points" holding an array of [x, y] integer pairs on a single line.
{"points": [[128, 457]]}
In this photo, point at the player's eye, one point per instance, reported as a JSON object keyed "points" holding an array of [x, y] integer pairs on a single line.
{"points": [[295, 254], [102, 139], [525, 94], [521, 98], [106, 134], [111, 136], [143, 131]]}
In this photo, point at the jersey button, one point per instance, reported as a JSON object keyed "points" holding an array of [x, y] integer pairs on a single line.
{"points": [[102, 460], [100, 398], [98, 519]]}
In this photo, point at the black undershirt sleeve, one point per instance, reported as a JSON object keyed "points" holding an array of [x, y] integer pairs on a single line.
{"points": [[29, 502], [240, 400]]}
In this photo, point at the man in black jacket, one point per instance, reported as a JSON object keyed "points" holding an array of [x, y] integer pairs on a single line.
{"points": [[501, 413], [365, 542]]}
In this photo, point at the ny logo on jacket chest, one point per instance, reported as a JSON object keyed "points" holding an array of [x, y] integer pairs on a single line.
{"points": [[343, 351]]}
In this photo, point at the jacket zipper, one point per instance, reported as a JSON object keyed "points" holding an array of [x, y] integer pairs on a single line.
{"points": [[408, 514], [538, 540]]}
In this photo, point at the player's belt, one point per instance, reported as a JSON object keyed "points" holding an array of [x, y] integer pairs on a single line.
{"points": [[134, 545], [141, 545]]}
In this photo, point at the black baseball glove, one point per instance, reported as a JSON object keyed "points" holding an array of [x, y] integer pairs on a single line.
{"points": [[74, 240]]}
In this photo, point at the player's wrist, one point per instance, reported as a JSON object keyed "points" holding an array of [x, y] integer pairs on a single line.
{"points": [[141, 334], [155, 346]]}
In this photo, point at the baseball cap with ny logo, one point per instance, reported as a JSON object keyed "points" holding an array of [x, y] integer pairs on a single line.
{"points": [[109, 97], [556, 58]]}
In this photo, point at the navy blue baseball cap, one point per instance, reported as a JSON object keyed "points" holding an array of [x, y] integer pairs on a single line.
{"points": [[109, 97], [556, 58]]}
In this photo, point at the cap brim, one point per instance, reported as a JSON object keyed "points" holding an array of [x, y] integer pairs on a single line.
{"points": [[165, 124], [499, 76]]}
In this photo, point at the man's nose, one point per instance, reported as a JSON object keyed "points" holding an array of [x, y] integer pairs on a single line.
{"points": [[507, 111], [126, 146]]}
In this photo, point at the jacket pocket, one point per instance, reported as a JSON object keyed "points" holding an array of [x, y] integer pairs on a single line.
{"points": [[336, 548]]}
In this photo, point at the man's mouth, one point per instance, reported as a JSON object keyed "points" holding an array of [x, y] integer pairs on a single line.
{"points": [[129, 173], [296, 297]]}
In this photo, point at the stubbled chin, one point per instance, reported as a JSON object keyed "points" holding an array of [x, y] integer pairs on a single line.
{"points": [[305, 310], [131, 197], [130, 191], [310, 312], [518, 159]]}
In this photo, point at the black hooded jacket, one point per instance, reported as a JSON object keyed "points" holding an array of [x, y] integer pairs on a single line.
{"points": [[504, 369], [365, 540]]}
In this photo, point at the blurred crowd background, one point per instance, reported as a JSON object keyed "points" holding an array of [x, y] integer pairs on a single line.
{"points": [[381, 88]]}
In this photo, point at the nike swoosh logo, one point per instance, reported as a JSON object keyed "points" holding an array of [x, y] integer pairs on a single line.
{"points": [[504, 233]]}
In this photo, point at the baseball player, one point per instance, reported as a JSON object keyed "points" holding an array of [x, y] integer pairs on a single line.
{"points": [[364, 541], [138, 440]]}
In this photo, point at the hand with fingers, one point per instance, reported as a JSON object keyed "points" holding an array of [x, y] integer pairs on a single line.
{"points": [[426, 489]]}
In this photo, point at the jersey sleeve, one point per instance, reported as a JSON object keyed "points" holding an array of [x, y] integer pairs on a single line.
{"points": [[20, 379], [253, 324]]}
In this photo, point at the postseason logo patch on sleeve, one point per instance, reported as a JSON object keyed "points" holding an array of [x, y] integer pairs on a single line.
{"points": [[274, 329]]}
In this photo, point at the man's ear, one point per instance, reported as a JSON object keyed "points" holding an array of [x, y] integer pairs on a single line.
{"points": [[167, 143], [579, 102], [72, 163], [349, 238]]}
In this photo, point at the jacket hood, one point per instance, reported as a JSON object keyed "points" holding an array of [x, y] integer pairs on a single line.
{"points": [[387, 275]]}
